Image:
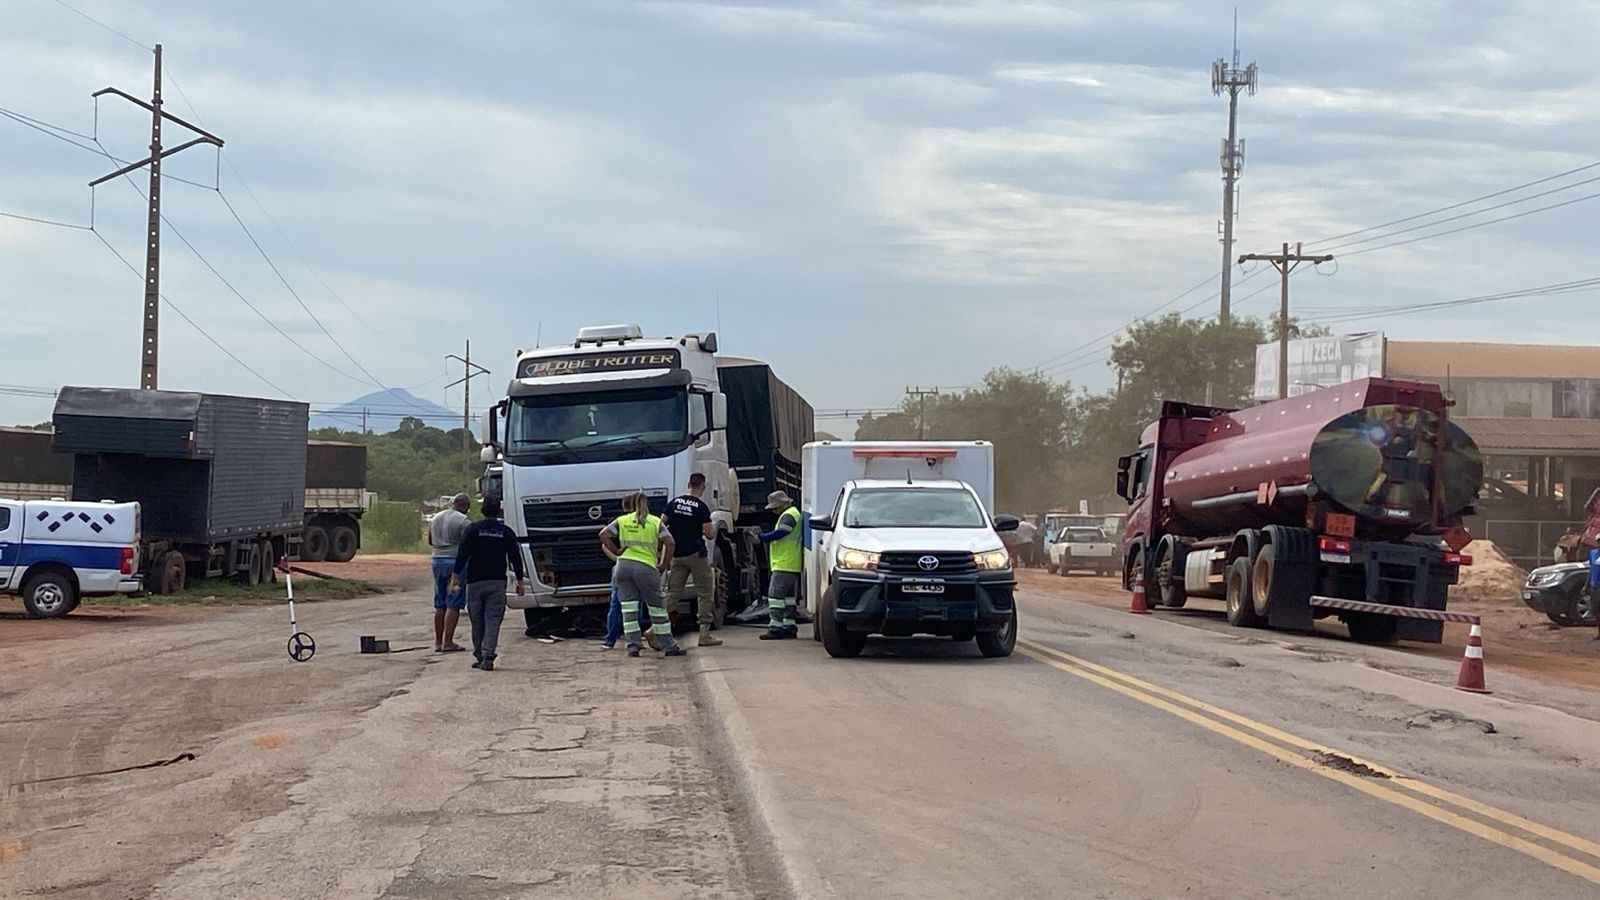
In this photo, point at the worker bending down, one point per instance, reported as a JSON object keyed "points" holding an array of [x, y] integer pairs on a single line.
{"points": [[641, 549], [783, 557]]}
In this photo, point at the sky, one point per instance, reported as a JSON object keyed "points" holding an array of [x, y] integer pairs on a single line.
{"points": [[868, 195]]}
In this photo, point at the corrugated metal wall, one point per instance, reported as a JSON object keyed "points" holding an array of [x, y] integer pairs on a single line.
{"points": [[259, 462]]}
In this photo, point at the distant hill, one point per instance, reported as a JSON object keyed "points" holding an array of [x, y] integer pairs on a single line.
{"points": [[384, 411]]}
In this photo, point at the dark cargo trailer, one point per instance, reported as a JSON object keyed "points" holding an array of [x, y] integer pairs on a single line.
{"points": [[220, 480], [768, 423], [29, 468]]}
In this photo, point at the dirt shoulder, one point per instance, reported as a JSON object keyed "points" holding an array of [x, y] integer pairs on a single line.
{"points": [[567, 772], [1516, 639]]}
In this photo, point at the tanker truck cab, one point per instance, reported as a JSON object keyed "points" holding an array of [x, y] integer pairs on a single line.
{"points": [[919, 554]]}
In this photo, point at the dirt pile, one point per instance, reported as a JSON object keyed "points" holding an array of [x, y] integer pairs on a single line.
{"points": [[1491, 577]]}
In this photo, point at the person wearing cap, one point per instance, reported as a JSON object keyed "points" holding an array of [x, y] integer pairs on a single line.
{"points": [[444, 536], [784, 559]]}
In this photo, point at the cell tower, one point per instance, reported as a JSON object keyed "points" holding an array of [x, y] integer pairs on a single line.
{"points": [[1231, 79]]}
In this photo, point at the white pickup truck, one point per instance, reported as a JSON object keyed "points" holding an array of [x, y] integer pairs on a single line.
{"points": [[54, 552], [1080, 548], [901, 539]]}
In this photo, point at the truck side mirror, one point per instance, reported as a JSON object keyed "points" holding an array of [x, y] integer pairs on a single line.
{"points": [[488, 454], [823, 524], [1122, 477], [719, 412], [1006, 523]]}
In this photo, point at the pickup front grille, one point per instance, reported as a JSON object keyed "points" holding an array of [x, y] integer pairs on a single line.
{"points": [[579, 513], [907, 562]]}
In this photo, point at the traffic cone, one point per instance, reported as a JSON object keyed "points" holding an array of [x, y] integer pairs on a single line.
{"points": [[1471, 677], [1140, 606]]}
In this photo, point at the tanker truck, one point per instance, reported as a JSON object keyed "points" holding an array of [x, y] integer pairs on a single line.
{"points": [[1354, 492]]}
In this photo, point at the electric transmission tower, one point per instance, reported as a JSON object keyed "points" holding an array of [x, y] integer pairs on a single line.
{"points": [[1231, 79]]}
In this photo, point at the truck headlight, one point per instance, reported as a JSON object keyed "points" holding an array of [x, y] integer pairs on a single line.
{"points": [[989, 560], [859, 560]]}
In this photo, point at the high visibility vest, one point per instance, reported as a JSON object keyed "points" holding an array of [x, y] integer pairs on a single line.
{"points": [[639, 540], [785, 553]]}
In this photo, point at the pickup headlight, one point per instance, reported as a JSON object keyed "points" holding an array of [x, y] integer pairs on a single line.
{"points": [[1545, 579], [989, 560], [858, 560]]}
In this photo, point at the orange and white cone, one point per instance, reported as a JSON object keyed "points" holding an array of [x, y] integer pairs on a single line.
{"points": [[1471, 677], [1139, 606]]}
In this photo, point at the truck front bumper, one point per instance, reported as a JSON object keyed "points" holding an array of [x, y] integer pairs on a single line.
{"points": [[543, 596], [892, 604]]}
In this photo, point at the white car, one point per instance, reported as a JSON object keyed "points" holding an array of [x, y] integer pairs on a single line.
{"points": [[901, 558], [1079, 548]]}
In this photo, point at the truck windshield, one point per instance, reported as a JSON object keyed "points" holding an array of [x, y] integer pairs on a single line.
{"points": [[913, 508], [597, 426]]}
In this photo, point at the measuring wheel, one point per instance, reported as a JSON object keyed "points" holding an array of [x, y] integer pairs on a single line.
{"points": [[301, 647]]}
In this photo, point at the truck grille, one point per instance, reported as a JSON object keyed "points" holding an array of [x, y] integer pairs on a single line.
{"points": [[597, 512], [574, 559], [905, 562]]}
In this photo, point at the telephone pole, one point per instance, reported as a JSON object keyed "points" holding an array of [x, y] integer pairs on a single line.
{"points": [[1231, 79], [1285, 262], [472, 370], [149, 341], [922, 395]]}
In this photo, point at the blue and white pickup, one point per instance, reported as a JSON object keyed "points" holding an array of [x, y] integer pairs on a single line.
{"points": [[55, 552]]}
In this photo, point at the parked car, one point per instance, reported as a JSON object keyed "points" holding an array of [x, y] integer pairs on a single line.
{"points": [[1079, 548], [1561, 593]]}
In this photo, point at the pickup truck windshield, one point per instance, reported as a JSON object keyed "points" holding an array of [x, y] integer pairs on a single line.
{"points": [[597, 426], [913, 508], [1084, 536]]}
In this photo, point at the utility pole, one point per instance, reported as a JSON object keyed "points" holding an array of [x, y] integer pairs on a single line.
{"points": [[149, 341], [364, 421], [1285, 262], [1231, 79], [922, 395], [472, 370]]}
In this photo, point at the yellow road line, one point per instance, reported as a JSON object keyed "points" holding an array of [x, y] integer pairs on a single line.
{"points": [[1368, 786], [1398, 778]]}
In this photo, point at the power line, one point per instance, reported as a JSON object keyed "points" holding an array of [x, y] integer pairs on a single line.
{"points": [[137, 43], [1429, 237], [1566, 287], [38, 221], [1466, 215]]}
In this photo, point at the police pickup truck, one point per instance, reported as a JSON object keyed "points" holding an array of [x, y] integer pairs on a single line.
{"points": [[55, 552]]}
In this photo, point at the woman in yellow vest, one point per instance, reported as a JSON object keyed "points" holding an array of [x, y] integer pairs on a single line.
{"points": [[641, 549]]}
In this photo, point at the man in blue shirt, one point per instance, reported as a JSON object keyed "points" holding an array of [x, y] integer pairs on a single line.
{"points": [[488, 546]]}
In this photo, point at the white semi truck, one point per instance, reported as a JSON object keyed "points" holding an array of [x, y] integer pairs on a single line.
{"points": [[585, 424]]}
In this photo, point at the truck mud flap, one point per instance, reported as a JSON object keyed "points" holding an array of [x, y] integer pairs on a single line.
{"points": [[1294, 579]]}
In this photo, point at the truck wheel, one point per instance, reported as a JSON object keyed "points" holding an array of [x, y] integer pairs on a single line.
{"points": [[1241, 601], [248, 574], [267, 561], [342, 544], [1371, 628], [314, 544], [998, 643], [170, 572], [48, 595], [1581, 608], [840, 642], [1168, 594]]}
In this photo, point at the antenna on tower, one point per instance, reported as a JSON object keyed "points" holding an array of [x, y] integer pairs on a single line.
{"points": [[1231, 79]]}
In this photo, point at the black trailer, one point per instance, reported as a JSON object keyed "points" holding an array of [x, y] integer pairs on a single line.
{"points": [[336, 499], [220, 480], [768, 423], [29, 468]]}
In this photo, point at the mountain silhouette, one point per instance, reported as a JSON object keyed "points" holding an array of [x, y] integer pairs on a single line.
{"points": [[384, 410]]}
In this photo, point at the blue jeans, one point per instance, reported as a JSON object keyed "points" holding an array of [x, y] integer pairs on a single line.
{"points": [[614, 618], [443, 597]]}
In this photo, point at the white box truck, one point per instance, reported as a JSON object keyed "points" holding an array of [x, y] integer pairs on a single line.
{"points": [[901, 539]]}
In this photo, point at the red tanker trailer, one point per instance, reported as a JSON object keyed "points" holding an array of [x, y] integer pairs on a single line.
{"points": [[1355, 492]]}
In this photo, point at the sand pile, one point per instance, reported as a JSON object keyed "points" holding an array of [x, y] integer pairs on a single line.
{"points": [[1492, 575]]}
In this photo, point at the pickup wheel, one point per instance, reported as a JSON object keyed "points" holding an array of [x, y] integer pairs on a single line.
{"points": [[314, 543], [1001, 642], [1241, 600], [1580, 608], [840, 642], [169, 573], [342, 544], [49, 594]]}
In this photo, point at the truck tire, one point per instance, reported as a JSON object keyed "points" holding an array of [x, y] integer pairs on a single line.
{"points": [[719, 576], [267, 562], [1168, 593], [1266, 589], [49, 594], [169, 574], [1000, 643], [342, 544], [1241, 600], [1371, 628], [840, 642], [250, 573], [314, 544]]}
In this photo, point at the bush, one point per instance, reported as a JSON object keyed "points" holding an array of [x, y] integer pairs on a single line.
{"points": [[392, 526]]}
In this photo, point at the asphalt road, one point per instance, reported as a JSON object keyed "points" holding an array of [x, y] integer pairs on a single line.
{"points": [[1228, 765]]}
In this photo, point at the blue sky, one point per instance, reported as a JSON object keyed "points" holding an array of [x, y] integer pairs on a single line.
{"points": [[875, 194]]}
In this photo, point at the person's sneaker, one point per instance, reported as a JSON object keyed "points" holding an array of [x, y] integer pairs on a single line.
{"points": [[633, 651], [604, 646], [477, 664], [707, 639], [674, 651], [487, 666], [771, 634]]}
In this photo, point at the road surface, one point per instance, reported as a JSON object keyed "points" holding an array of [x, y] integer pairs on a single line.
{"points": [[1113, 756]]}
